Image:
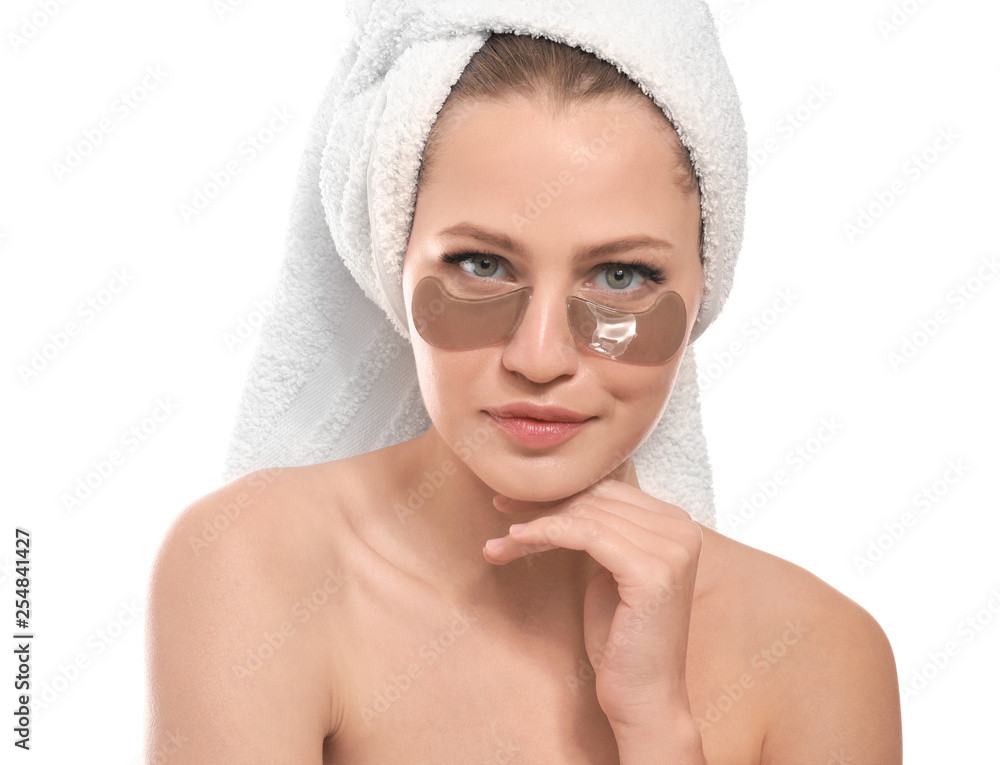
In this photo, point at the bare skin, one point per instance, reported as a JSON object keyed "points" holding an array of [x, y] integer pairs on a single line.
{"points": [[781, 668], [765, 635], [347, 612], [514, 681]]}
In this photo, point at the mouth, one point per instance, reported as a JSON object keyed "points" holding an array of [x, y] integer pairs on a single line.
{"points": [[530, 411], [536, 433]]}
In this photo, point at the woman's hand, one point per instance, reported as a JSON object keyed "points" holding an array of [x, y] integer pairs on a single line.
{"points": [[638, 608]]}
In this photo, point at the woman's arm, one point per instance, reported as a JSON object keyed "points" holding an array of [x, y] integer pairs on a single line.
{"points": [[838, 700], [231, 675]]}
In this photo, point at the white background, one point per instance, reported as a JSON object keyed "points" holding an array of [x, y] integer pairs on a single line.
{"points": [[824, 354]]}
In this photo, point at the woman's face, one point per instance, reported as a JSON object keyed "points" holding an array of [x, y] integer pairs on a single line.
{"points": [[531, 190]]}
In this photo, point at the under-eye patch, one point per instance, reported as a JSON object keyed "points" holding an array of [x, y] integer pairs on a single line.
{"points": [[612, 329]]}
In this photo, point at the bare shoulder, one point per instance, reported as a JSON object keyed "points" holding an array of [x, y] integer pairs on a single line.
{"points": [[237, 664], [824, 664], [277, 504]]}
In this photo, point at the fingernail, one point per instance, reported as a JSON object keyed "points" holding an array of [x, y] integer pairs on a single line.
{"points": [[493, 545]]}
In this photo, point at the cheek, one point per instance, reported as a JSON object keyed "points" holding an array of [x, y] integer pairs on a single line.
{"points": [[642, 393], [449, 380], [642, 385], [454, 386]]}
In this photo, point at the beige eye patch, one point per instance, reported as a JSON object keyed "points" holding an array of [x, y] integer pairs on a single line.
{"points": [[649, 336]]}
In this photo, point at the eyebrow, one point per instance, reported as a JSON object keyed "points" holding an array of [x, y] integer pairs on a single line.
{"points": [[502, 241]]}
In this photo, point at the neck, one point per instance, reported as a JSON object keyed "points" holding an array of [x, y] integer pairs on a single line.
{"points": [[457, 516]]}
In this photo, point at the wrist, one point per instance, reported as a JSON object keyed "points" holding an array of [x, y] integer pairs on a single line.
{"points": [[674, 739]]}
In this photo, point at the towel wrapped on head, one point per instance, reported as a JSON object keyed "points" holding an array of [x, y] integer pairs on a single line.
{"points": [[333, 374]]}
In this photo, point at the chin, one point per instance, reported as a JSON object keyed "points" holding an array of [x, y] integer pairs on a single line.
{"points": [[543, 478]]}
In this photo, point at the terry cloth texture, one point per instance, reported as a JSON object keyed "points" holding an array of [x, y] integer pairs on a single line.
{"points": [[333, 373]]}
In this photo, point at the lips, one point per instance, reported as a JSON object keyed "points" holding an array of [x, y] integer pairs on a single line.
{"points": [[538, 434], [528, 410]]}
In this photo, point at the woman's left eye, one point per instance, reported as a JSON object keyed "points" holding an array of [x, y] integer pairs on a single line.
{"points": [[618, 276]]}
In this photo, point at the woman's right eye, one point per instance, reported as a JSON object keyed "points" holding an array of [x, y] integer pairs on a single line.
{"points": [[475, 263]]}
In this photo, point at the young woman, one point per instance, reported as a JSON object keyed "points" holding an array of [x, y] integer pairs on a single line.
{"points": [[337, 621]]}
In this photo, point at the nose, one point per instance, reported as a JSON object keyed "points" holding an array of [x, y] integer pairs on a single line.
{"points": [[543, 347]]}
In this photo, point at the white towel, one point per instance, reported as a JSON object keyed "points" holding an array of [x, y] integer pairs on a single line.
{"points": [[333, 373]]}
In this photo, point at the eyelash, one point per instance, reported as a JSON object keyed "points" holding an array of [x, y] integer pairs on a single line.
{"points": [[652, 272]]}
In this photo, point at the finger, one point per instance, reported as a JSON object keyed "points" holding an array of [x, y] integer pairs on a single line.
{"points": [[674, 539], [613, 489], [624, 504], [670, 535], [630, 564], [677, 526]]}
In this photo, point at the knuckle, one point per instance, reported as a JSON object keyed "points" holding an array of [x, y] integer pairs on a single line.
{"points": [[683, 557], [552, 529], [688, 534], [678, 555], [695, 535]]}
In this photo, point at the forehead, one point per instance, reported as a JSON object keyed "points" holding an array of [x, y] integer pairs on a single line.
{"points": [[523, 135], [516, 165]]}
